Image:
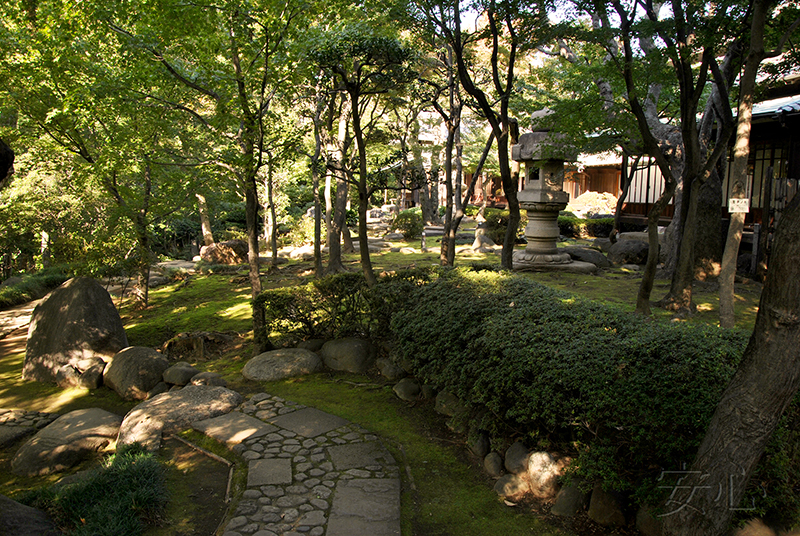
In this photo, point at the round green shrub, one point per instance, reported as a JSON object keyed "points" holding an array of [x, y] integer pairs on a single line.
{"points": [[409, 223]]}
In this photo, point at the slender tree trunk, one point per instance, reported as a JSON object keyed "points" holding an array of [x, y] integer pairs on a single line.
{"points": [[363, 191], [273, 217], [741, 154], [143, 241], [752, 404], [649, 275], [337, 225], [205, 220], [766, 225], [449, 235], [6, 164], [261, 341]]}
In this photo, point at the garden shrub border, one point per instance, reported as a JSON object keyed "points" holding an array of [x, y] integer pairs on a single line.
{"points": [[626, 397]]}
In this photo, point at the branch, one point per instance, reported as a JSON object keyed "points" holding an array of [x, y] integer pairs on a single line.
{"points": [[160, 57]]}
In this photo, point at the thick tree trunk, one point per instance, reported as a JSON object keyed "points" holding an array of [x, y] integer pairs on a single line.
{"points": [[752, 404], [679, 297], [708, 242], [205, 220]]}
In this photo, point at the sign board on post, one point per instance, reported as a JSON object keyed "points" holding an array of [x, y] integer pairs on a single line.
{"points": [[738, 205]]}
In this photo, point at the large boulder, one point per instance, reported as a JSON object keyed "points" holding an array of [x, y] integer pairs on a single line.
{"points": [[66, 441], [134, 371], [628, 252], [593, 256], [280, 364], [76, 321], [349, 355], [175, 411], [19, 520], [229, 252]]}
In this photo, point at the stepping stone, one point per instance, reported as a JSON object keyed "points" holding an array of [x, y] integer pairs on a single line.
{"points": [[357, 455], [309, 422], [67, 441], [368, 507], [268, 472], [10, 434], [233, 428]]}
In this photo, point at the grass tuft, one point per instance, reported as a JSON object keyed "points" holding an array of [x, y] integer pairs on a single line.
{"points": [[118, 498]]}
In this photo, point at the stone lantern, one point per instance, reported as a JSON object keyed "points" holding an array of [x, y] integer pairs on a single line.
{"points": [[543, 154]]}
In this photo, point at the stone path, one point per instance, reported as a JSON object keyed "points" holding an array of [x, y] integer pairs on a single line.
{"points": [[309, 472], [17, 423], [16, 317]]}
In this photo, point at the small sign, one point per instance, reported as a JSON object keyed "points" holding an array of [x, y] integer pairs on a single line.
{"points": [[738, 205]]}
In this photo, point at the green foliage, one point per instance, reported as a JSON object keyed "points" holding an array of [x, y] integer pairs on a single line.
{"points": [[117, 498], [625, 396], [32, 287], [471, 210], [582, 228], [339, 305], [302, 231], [497, 223], [409, 223]]}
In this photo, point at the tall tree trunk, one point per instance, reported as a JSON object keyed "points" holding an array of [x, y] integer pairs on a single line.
{"points": [[261, 341], [626, 178], [751, 406], [205, 220], [273, 216], [741, 154], [449, 235], [142, 291], [363, 190], [649, 275]]}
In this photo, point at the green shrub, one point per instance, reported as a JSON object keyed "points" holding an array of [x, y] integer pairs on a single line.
{"points": [[302, 231], [625, 396], [573, 227], [32, 287], [471, 210], [339, 305], [497, 223], [409, 223], [117, 498]]}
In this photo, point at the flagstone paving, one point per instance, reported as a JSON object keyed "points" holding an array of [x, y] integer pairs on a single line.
{"points": [[309, 472]]}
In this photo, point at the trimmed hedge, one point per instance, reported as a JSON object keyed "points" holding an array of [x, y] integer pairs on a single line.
{"points": [[584, 228], [625, 396], [569, 226], [340, 305]]}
